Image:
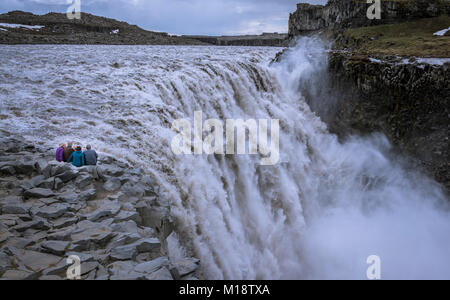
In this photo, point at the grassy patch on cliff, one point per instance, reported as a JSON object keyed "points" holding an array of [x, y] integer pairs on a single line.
{"points": [[413, 38]]}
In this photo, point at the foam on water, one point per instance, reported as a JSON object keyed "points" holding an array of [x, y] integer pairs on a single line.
{"points": [[318, 214]]}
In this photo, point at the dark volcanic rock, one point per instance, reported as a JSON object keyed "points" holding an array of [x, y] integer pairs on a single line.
{"points": [[352, 13], [407, 102]]}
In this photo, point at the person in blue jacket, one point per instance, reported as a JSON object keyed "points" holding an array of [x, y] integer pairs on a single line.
{"points": [[77, 158]]}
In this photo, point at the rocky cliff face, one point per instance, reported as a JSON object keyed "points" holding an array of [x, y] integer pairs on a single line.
{"points": [[353, 13], [406, 100], [374, 89]]}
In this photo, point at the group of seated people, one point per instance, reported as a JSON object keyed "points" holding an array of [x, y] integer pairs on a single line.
{"points": [[76, 156]]}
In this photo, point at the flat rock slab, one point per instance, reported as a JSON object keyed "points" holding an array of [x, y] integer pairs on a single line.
{"points": [[161, 274], [186, 266], [53, 211], [37, 224], [16, 208], [55, 247], [37, 261], [38, 193], [127, 252], [152, 266], [19, 275]]}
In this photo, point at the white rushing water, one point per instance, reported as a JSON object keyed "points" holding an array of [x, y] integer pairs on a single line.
{"points": [[318, 214]]}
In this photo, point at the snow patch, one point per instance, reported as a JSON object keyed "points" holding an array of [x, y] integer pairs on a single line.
{"points": [[8, 25], [433, 61], [374, 60], [442, 32]]}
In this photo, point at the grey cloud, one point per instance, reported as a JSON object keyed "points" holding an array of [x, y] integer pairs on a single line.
{"points": [[181, 16]]}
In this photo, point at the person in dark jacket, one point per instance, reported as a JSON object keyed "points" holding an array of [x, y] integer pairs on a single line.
{"points": [[77, 158], [60, 152], [68, 151], [90, 156]]}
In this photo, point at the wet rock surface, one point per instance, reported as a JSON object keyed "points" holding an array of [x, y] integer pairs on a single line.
{"points": [[116, 226], [338, 14], [408, 102]]}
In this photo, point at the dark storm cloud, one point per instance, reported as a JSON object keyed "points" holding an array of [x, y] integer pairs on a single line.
{"points": [[181, 16]]}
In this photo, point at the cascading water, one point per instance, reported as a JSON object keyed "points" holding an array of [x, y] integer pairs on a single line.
{"points": [[319, 213]]}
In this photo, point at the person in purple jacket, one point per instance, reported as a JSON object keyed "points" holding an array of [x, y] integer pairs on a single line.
{"points": [[60, 152]]}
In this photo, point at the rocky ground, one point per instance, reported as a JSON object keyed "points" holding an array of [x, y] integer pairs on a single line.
{"points": [[90, 29], [109, 215]]}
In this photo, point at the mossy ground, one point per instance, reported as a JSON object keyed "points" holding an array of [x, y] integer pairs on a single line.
{"points": [[413, 38]]}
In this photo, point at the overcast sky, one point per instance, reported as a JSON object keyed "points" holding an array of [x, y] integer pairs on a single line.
{"points": [[210, 17]]}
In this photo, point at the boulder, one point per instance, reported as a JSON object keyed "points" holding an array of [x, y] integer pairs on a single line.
{"points": [[36, 181], [112, 184], [152, 266], [38, 193], [36, 261], [58, 184], [186, 266], [20, 275], [107, 210], [43, 167], [124, 270], [124, 239], [9, 220], [68, 175], [148, 245], [125, 216], [89, 267], [69, 197], [53, 211], [133, 190], [127, 252], [110, 170], [92, 238], [59, 168], [62, 235], [84, 180], [16, 208], [161, 274], [157, 218], [88, 195], [20, 243], [55, 247], [5, 262], [7, 170], [48, 183], [127, 227], [25, 168], [65, 222], [36, 224]]}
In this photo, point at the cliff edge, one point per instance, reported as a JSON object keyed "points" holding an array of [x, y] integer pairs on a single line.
{"points": [[390, 75]]}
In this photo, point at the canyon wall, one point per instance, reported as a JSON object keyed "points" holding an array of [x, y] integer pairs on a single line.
{"points": [[353, 13], [396, 83]]}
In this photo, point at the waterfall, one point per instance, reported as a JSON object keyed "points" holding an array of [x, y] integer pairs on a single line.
{"points": [[323, 209], [317, 214]]}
